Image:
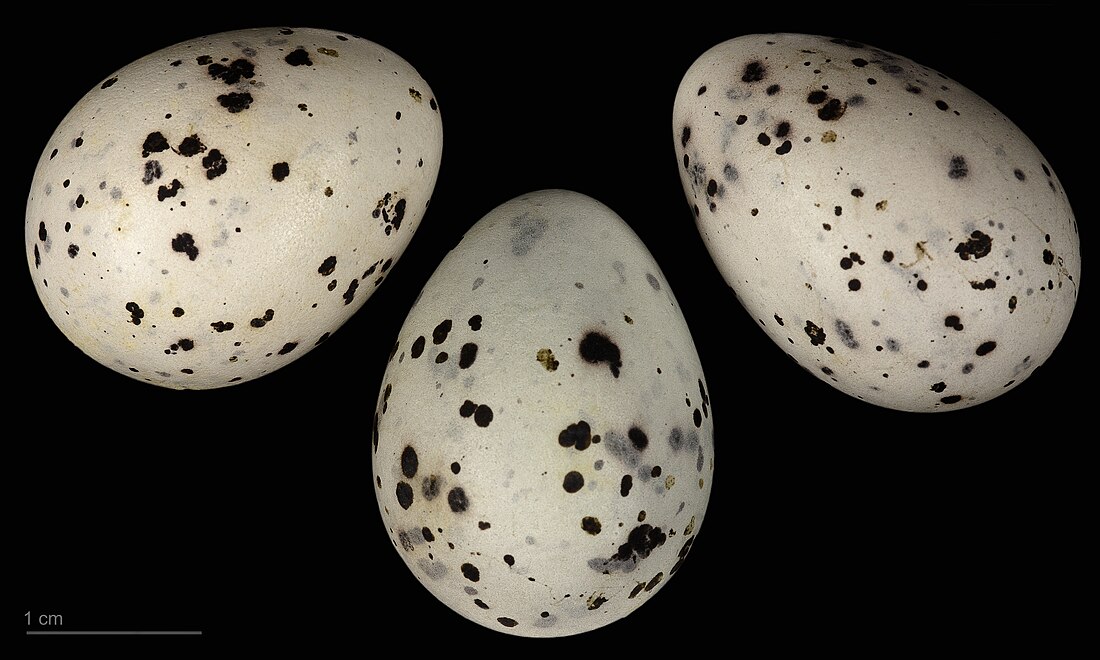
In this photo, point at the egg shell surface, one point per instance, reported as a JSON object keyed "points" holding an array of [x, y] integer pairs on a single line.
{"points": [[543, 443], [893, 232], [214, 210]]}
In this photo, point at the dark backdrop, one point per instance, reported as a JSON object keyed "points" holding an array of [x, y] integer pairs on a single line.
{"points": [[832, 522]]}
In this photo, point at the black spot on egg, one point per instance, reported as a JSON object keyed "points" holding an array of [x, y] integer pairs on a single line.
{"points": [[215, 164], [591, 524], [977, 246], [185, 243], [471, 572], [404, 494], [164, 192], [832, 111], [409, 462], [349, 295], [429, 487], [231, 74], [191, 146], [573, 482], [847, 337], [596, 347], [155, 142], [298, 57], [483, 415], [235, 102], [815, 333], [456, 500], [577, 435]]}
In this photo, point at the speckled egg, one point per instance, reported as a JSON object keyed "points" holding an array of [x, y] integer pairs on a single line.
{"points": [[213, 211], [890, 230], [543, 444]]}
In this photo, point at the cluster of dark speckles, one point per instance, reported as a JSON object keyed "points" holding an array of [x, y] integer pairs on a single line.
{"points": [[170, 190], [391, 209], [185, 243], [215, 164], [977, 246], [830, 109], [155, 142], [136, 313]]}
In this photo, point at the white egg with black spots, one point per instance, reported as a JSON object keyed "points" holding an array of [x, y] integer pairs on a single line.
{"points": [[214, 210], [543, 444], [892, 231]]}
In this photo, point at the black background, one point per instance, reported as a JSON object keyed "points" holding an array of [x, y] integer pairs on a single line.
{"points": [[248, 512]]}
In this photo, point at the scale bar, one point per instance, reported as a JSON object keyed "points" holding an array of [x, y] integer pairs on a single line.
{"points": [[114, 632]]}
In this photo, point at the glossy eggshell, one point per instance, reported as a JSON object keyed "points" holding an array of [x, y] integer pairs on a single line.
{"points": [[894, 233], [543, 443], [214, 210]]}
